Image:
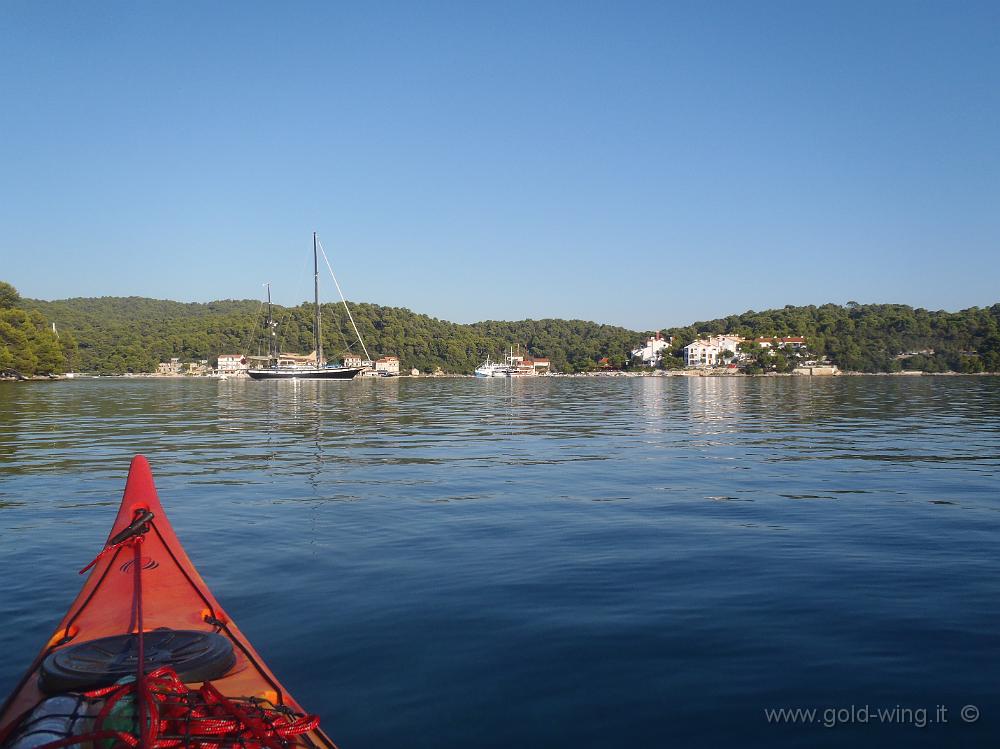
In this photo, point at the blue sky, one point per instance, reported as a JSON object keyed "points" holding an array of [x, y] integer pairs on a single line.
{"points": [[643, 164]]}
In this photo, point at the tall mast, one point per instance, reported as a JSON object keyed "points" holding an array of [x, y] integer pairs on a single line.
{"points": [[272, 343], [316, 325]]}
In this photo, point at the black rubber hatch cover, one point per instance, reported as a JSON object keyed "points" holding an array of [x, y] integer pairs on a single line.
{"points": [[195, 656]]}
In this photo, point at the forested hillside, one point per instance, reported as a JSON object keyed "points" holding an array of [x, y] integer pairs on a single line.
{"points": [[119, 334], [134, 334], [27, 344]]}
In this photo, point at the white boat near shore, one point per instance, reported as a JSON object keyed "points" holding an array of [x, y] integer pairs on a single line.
{"points": [[513, 365], [492, 369]]}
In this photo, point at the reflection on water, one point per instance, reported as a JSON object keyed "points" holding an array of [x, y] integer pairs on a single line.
{"points": [[555, 562]]}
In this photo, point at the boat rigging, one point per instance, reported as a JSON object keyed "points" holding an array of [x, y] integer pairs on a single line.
{"points": [[279, 367]]}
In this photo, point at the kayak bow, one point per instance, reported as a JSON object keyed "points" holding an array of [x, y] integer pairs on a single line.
{"points": [[200, 684]]}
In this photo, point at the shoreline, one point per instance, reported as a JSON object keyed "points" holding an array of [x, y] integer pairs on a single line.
{"points": [[840, 373], [571, 375]]}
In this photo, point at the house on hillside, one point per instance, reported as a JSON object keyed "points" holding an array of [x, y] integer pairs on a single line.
{"points": [[708, 352], [652, 352], [701, 353], [792, 342]]}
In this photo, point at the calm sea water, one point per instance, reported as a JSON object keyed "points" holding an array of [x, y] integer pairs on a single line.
{"points": [[552, 562]]}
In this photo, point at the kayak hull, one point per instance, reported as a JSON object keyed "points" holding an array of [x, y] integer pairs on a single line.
{"points": [[174, 596]]}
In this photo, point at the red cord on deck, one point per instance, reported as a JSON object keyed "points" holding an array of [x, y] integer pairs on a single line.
{"points": [[143, 700], [195, 719], [106, 550]]}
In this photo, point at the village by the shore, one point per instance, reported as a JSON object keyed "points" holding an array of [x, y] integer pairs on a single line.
{"points": [[721, 355], [710, 356]]}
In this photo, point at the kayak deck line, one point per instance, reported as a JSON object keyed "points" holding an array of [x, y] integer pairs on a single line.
{"points": [[146, 657]]}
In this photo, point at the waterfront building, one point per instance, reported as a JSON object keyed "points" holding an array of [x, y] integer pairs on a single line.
{"points": [[701, 353], [354, 360], [387, 364], [169, 368], [231, 364], [708, 352], [652, 352], [538, 365]]}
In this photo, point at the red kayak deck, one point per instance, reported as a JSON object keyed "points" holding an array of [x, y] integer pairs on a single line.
{"points": [[173, 595]]}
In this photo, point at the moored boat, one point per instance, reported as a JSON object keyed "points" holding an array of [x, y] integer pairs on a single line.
{"points": [[491, 368], [146, 657], [276, 369], [305, 373], [513, 365]]}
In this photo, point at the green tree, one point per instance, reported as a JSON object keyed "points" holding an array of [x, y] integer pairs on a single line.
{"points": [[6, 359], [9, 298], [50, 359]]}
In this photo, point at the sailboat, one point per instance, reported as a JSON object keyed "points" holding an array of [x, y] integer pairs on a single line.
{"points": [[277, 367]]}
